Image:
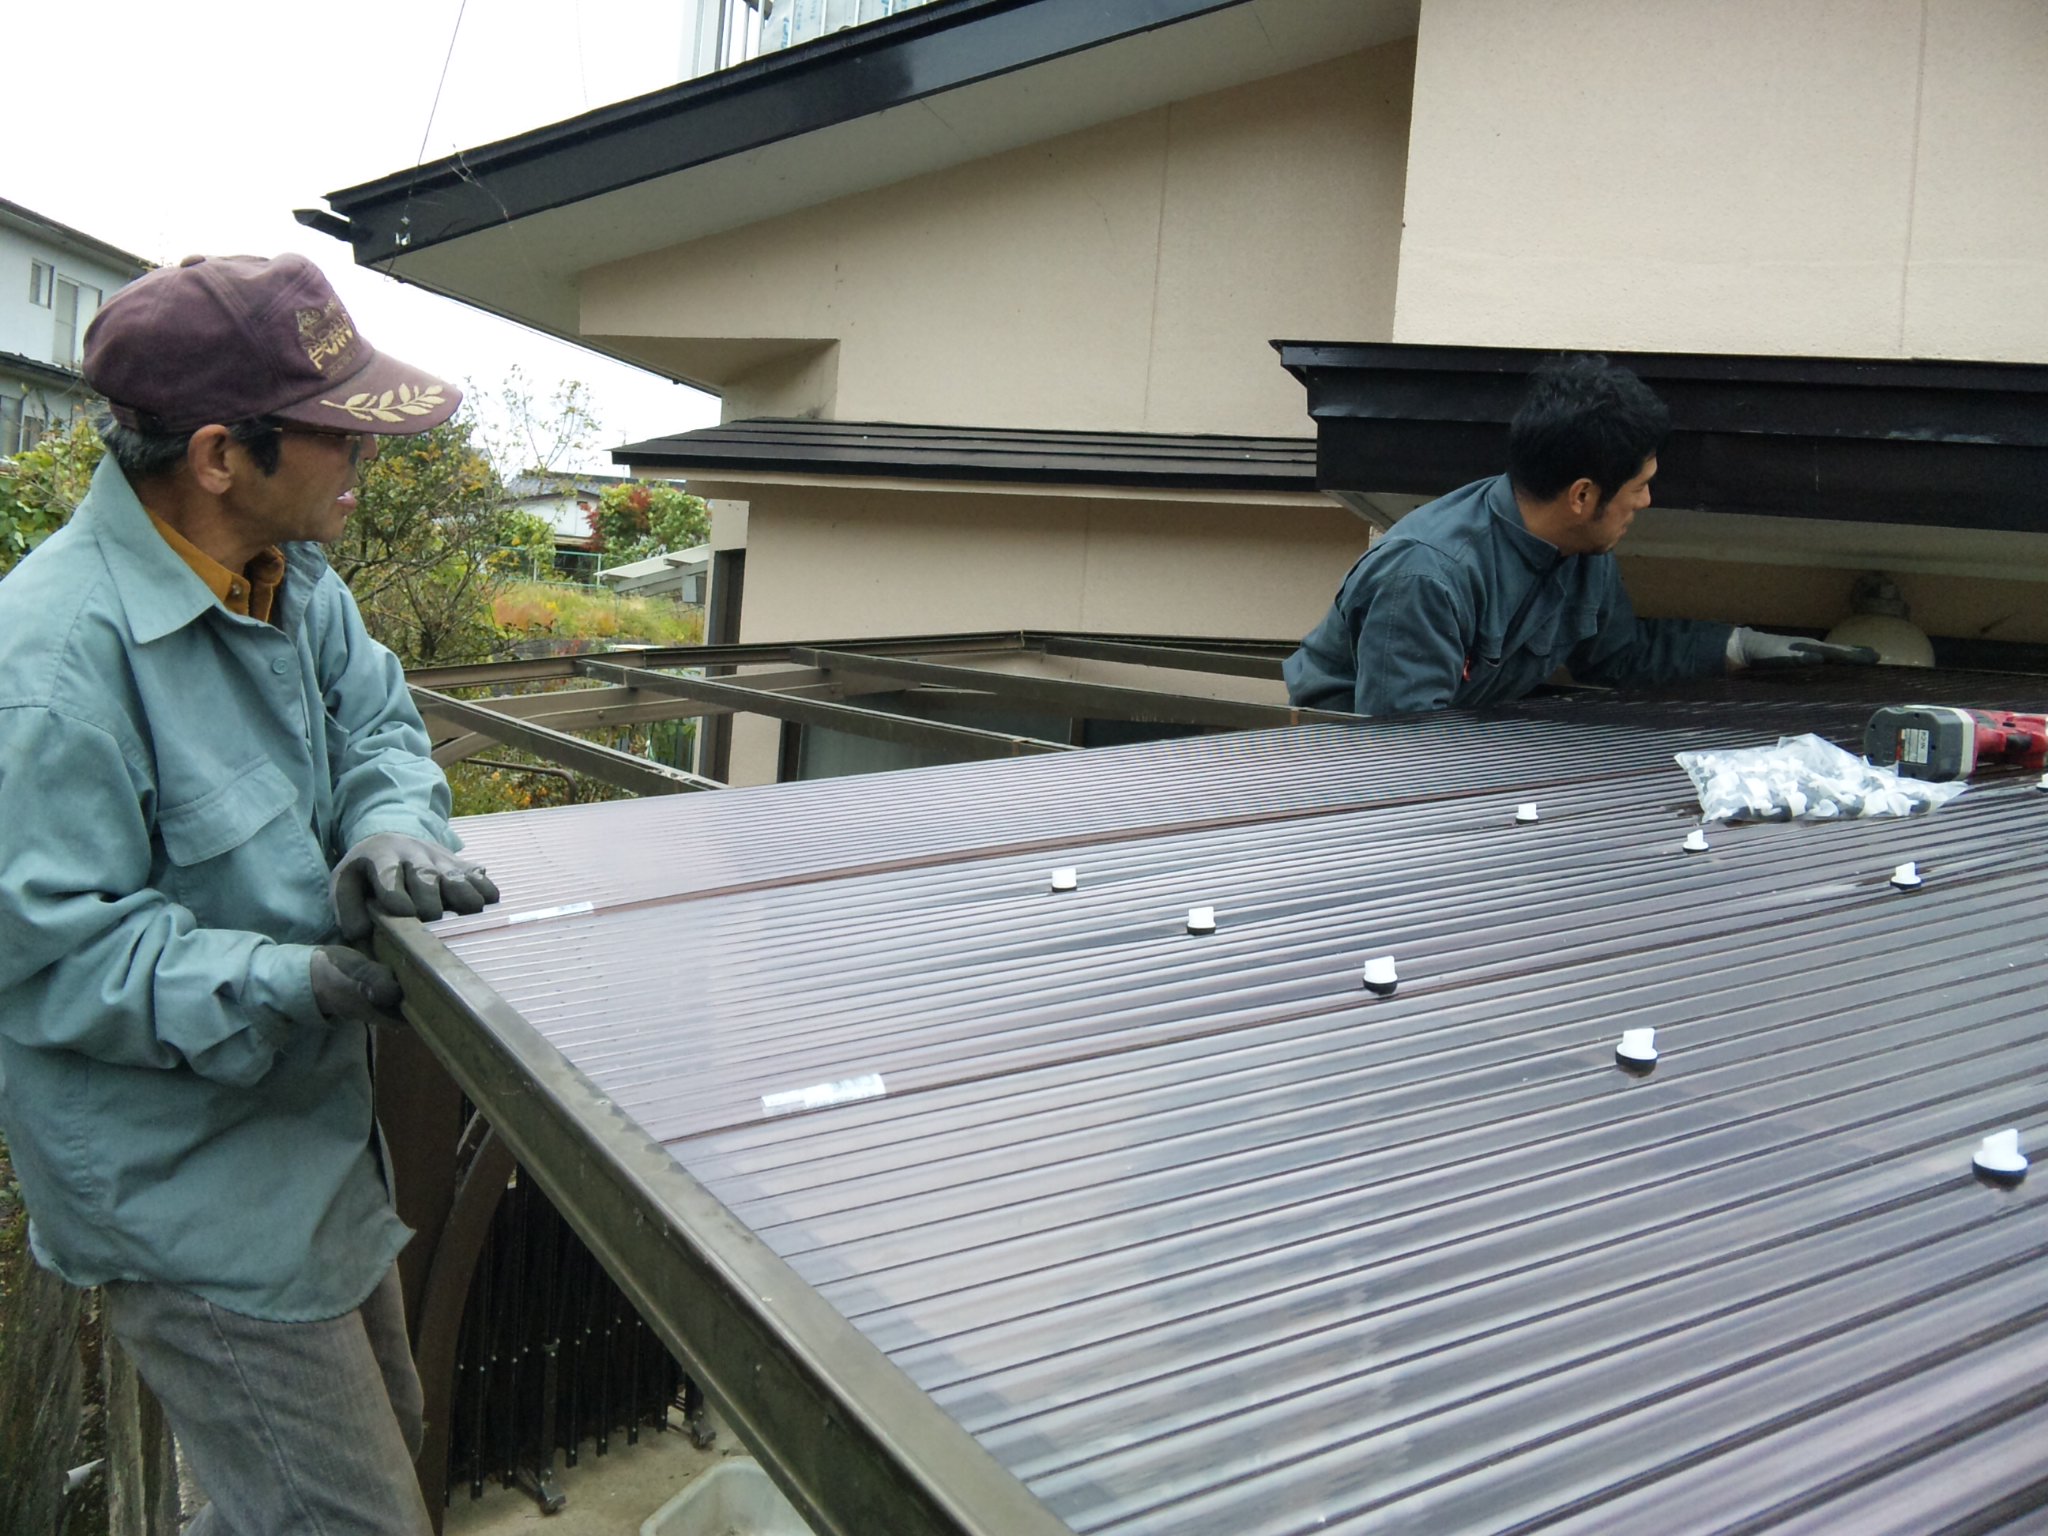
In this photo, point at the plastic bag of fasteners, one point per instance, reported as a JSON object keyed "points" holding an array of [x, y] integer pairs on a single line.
{"points": [[1804, 778]]}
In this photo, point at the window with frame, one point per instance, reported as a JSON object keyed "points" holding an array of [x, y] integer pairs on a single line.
{"points": [[42, 283], [32, 428], [74, 306], [10, 425]]}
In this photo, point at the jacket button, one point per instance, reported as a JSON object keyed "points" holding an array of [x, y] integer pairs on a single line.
{"points": [[281, 666]]}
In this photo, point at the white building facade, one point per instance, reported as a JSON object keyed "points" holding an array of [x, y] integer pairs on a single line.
{"points": [[53, 280]]}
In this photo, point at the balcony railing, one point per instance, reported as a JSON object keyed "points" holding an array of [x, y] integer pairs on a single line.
{"points": [[729, 32]]}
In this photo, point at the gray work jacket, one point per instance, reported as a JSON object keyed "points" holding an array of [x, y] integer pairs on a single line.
{"points": [[1460, 606]]}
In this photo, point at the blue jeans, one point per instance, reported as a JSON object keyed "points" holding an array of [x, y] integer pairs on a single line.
{"points": [[292, 1429]]}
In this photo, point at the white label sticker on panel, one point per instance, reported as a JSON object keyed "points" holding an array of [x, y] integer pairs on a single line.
{"points": [[819, 1095], [571, 910]]}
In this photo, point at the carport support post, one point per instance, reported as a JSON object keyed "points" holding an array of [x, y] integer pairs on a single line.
{"points": [[419, 1109]]}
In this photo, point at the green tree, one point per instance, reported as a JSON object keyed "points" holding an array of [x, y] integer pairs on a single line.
{"points": [[429, 545], [647, 517], [525, 433], [40, 486]]}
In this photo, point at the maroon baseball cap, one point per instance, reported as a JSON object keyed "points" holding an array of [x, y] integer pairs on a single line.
{"points": [[230, 338]]}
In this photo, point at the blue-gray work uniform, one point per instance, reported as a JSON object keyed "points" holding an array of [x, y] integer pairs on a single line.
{"points": [[176, 782], [1460, 605]]}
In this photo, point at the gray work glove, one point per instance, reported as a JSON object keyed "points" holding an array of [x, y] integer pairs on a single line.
{"points": [[404, 876], [1760, 648], [351, 987]]}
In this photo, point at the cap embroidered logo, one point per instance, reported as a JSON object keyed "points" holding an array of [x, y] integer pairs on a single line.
{"points": [[326, 334]]}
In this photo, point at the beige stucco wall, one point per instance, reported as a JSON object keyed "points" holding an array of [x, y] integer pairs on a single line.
{"points": [[885, 562], [1848, 177], [1127, 277], [843, 562]]}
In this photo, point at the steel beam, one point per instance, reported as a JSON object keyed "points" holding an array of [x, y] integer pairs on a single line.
{"points": [[1146, 653], [620, 769], [852, 1441], [489, 674], [854, 719], [1100, 700]]}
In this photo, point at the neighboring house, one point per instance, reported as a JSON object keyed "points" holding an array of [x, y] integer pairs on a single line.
{"points": [[53, 280], [680, 576], [563, 502], [989, 290]]}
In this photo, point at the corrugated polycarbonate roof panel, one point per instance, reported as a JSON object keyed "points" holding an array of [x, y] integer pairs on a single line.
{"points": [[1196, 1235]]}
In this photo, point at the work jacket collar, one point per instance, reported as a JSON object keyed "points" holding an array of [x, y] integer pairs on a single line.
{"points": [[1540, 555], [159, 593]]}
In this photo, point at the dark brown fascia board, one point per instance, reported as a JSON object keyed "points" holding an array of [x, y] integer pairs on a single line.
{"points": [[994, 455], [867, 69], [1931, 442]]}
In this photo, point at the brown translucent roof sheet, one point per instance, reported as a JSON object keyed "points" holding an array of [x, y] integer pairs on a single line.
{"points": [[1196, 1235]]}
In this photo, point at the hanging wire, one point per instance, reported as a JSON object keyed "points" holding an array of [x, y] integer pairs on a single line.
{"points": [[439, 86], [419, 159]]}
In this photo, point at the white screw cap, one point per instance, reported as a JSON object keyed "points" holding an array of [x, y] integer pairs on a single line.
{"points": [[1696, 840], [1201, 919], [1999, 1157], [1380, 976], [1065, 879], [2044, 782], [1527, 813], [1638, 1048], [1907, 876]]}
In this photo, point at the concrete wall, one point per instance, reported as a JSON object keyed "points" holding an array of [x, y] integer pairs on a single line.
{"points": [[1832, 177], [833, 562], [1128, 277]]}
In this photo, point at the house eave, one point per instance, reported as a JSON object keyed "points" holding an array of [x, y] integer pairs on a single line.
{"points": [[511, 226], [51, 375], [74, 241]]}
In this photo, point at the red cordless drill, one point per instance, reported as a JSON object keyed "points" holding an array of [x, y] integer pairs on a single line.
{"points": [[1937, 741]]}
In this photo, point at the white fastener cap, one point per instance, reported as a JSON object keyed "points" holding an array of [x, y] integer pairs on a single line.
{"points": [[1907, 876], [1638, 1048], [1065, 879], [1380, 975], [1999, 1157], [1696, 840], [1201, 919], [1527, 813], [2043, 783]]}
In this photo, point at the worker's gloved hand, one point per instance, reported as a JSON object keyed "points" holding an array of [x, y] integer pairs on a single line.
{"points": [[348, 986], [405, 877], [1760, 648]]}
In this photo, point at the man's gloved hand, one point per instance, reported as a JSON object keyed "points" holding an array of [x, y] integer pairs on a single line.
{"points": [[405, 877], [348, 986], [1760, 648]]}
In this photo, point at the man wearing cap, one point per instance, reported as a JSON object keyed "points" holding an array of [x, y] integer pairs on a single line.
{"points": [[209, 774]]}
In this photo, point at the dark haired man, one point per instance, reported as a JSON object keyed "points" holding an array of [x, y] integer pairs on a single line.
{"points": [[209, 773], [1481, 595]]}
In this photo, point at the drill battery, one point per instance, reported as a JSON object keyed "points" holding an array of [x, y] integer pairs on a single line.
{"points": [[1942, 742]]}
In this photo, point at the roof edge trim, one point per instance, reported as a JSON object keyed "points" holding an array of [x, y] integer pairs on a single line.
{"points": [[868, 69]]}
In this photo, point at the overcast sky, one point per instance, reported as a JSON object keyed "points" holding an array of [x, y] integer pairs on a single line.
{"points": [[199, 125]]}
